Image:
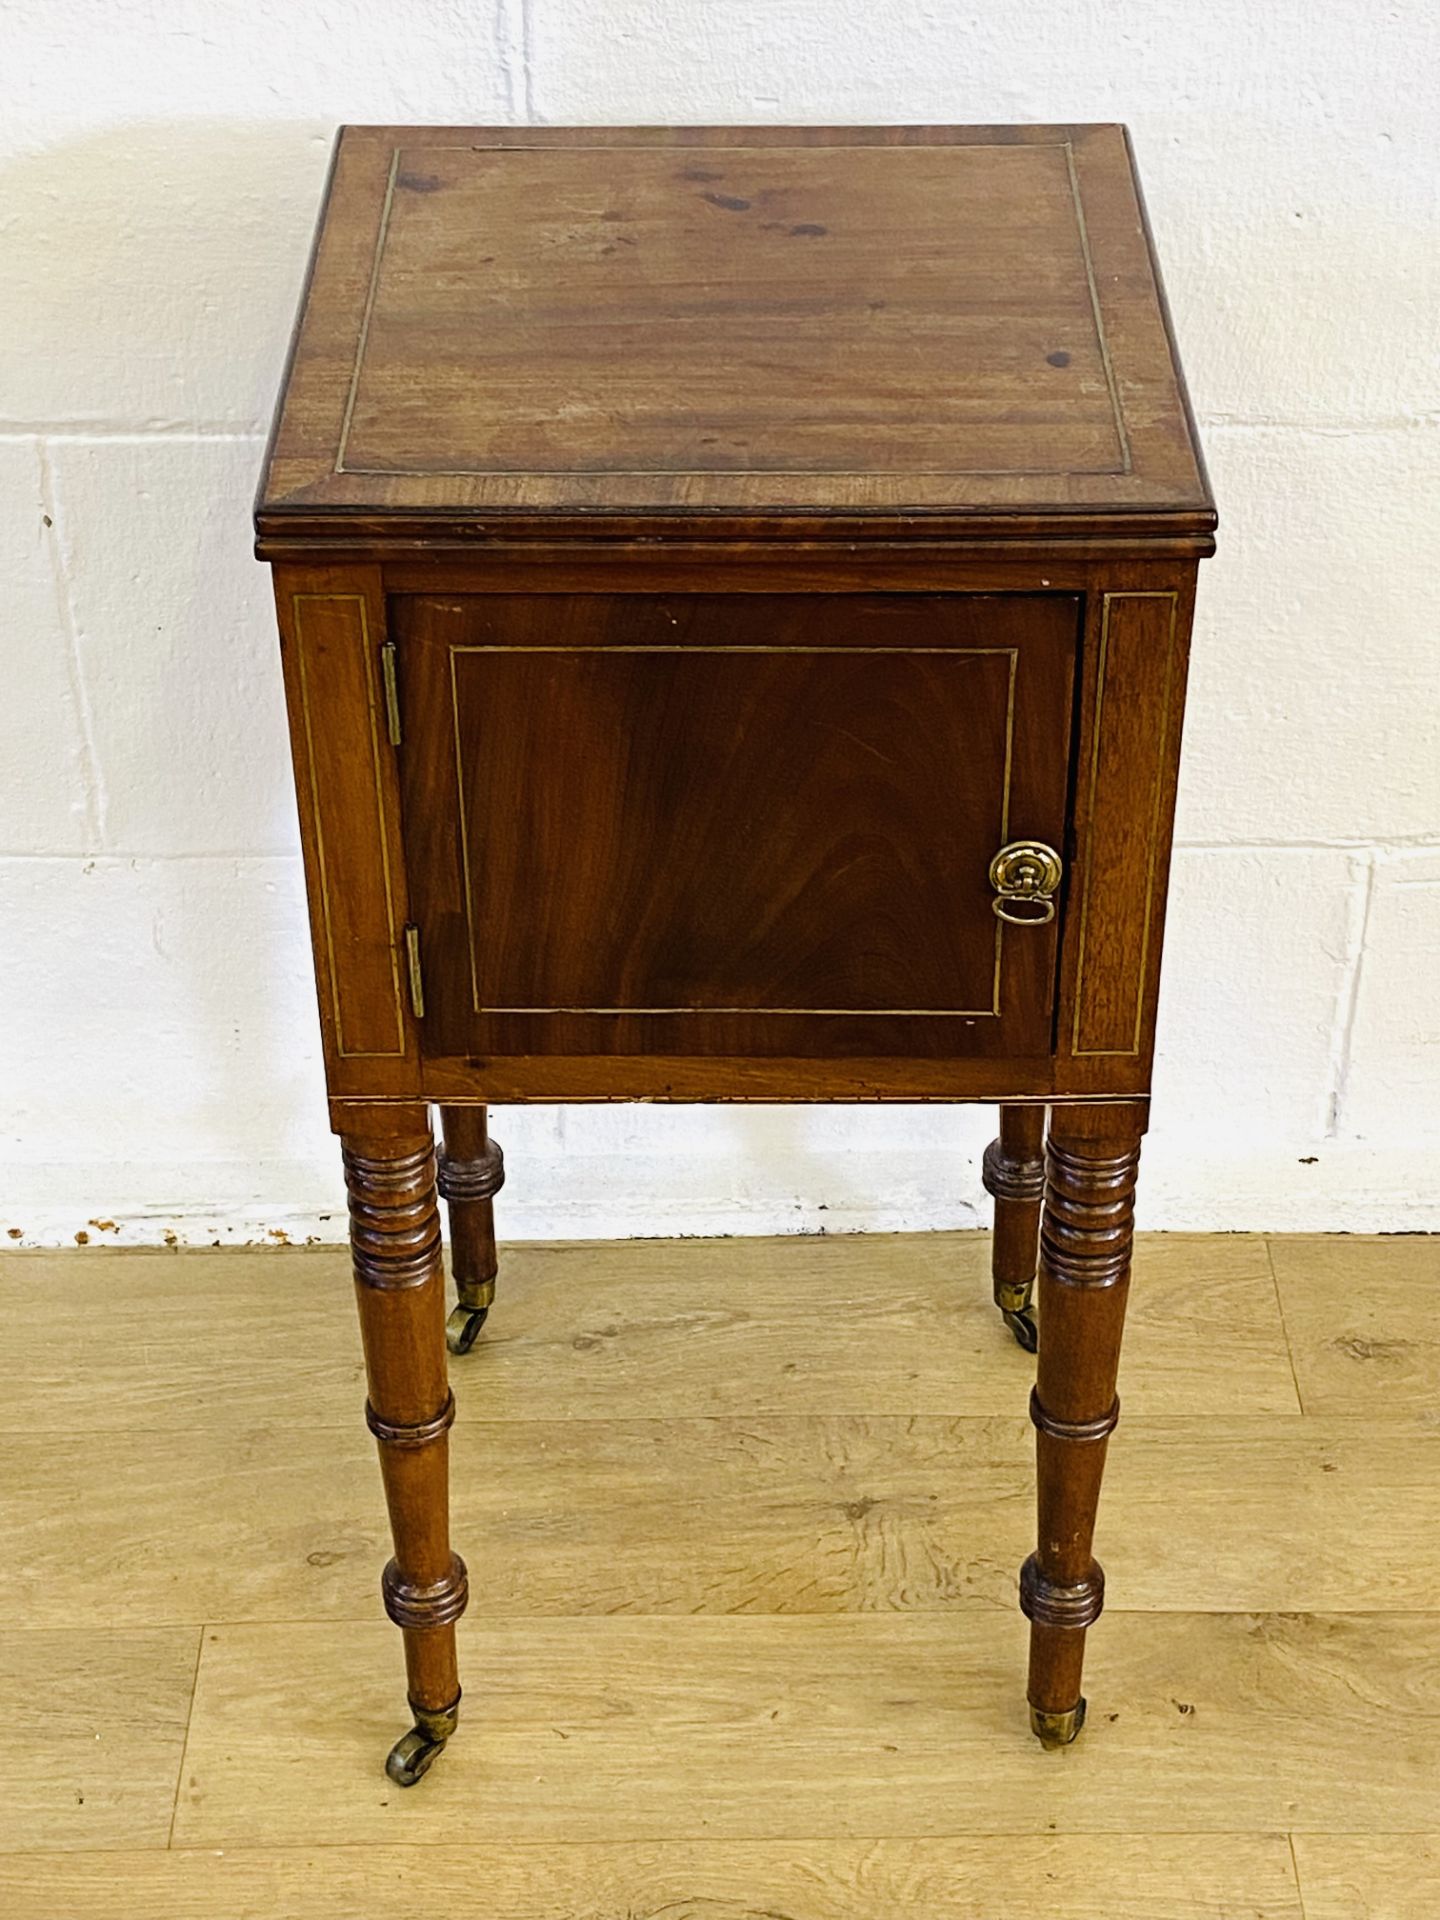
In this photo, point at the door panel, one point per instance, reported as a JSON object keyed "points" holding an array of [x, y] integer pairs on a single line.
{"points": [[738, 825]]}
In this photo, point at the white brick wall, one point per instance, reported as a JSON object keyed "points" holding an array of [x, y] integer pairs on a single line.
{"points": [[162, 164]]}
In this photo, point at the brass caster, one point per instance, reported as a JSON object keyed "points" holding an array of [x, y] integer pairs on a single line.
{"points": [[462, 1330], [415, 1752], [1022, 1325], [412, 1756], [1057, 1729]]}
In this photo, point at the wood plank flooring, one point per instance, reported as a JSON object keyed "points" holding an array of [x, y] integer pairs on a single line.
{"points": [[743, 1520]]}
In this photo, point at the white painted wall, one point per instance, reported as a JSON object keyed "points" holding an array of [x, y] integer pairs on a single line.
{"points": [[161, 167]]}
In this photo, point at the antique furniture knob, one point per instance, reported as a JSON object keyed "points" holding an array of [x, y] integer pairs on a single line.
{"points": [[1025, 875]]}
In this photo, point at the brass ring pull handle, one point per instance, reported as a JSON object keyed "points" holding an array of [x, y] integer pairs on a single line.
{"points": [[1025, 876]]}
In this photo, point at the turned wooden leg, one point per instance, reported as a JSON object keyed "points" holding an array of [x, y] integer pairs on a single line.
{"points": [[1014, 1173], [472, 1172], [1085, 1243], [400, 1287]]}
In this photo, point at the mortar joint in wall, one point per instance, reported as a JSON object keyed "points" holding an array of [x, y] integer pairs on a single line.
{"points": [[1362, 901], [95, 800]]}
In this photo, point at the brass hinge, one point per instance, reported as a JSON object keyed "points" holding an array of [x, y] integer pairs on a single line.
{"points": [[412, 964], [392, 691]]}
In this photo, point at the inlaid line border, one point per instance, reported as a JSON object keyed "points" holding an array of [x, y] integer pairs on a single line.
{"points": [[1152, 853], [322, 872], [992, 1012], [700, 473]]}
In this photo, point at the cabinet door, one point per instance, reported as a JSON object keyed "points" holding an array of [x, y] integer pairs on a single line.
{"points": [[744, 825]]}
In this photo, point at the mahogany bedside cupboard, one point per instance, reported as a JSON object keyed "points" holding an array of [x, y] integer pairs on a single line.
{"points": [[734, 588]]}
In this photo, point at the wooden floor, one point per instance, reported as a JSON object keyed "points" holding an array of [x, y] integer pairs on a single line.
{"points": [[743, 1521]]}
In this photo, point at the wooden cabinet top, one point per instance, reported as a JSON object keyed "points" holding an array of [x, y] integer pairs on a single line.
{"points": [[734, 331]]}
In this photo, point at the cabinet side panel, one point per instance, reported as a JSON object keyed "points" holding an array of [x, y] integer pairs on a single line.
{"points": [[332, 628], [1136, 647]]}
